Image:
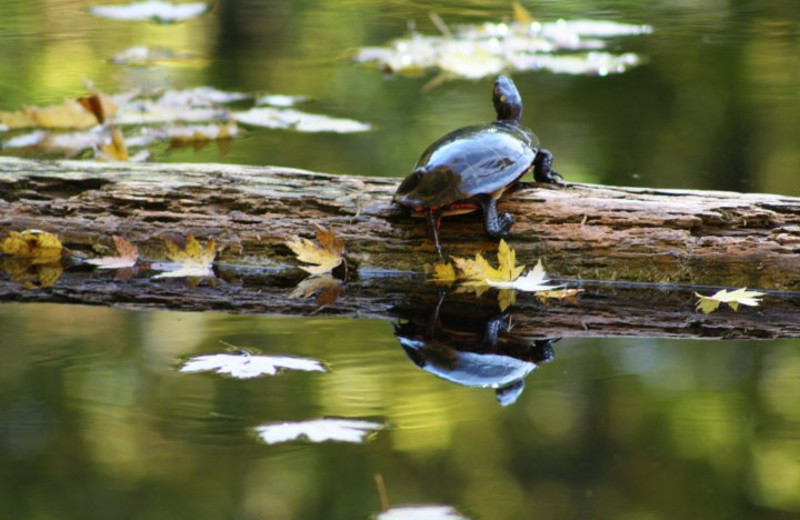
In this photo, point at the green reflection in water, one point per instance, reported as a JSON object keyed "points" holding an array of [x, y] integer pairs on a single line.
{"points": [[93, 414]]}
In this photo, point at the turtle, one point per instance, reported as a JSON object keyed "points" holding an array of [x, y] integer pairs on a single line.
{"points": [[470, 168]]}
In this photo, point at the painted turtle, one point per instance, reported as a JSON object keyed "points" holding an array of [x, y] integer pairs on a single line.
{"points": [[470, 168]]}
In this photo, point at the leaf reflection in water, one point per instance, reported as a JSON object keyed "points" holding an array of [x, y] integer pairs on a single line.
{"points": [[319, 430], [421, 513]]}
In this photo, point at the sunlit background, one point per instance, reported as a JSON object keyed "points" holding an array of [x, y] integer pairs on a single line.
{"points": [[96, 422]]}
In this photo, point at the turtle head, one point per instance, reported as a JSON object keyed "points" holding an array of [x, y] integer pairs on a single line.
{"points": [[506, 100]]}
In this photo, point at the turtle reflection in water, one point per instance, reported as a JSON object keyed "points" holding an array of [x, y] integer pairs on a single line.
{"points": [[472, 351], [470, 168]]}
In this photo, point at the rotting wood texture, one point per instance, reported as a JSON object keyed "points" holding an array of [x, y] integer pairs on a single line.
{"points": [[580, 231]]}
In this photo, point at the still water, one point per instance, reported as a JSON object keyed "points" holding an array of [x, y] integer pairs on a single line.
{"points": [[96, 421]]}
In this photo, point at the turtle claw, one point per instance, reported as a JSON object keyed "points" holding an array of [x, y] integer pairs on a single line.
{"points": [[506, 221], [542, 171]]}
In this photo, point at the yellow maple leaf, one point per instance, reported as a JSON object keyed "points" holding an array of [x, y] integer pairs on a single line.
{"points": [[31, 274], [116, 150], [443, 272], [709, 304], [326, 254], [570, 295], [39, 246], [480, 270], [193, 260], [506, 298], [192, 252]]}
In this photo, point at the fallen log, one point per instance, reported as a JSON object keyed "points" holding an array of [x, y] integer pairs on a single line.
{"points": [[580, 231]]}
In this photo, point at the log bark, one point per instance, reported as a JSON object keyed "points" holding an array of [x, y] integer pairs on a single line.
{"points": [[628, 246], [580, 231]]}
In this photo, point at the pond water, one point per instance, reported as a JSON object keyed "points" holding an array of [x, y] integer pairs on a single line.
{"points": [[96, 420]]}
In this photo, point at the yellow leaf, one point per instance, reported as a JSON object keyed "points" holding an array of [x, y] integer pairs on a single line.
{"points": [[443, 272], [16, 119], [471, 269], [192, 252], [479, 270], [326, 254], [742, 296], [506, 298], [570, 295], [507, 270], [84, 112], [116, 150], [192, 260], [521, 14], [42, 247]]}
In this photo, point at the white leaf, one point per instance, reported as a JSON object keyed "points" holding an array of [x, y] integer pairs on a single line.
{"points": [[163, 12], [279, 100], [246, 366], [182, 270], [534, 281], [421, 513], [25, 140], [301, 121], [319, 430]]}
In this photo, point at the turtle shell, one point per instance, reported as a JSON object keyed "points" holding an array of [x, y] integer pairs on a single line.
{"points": [[475, 160]]}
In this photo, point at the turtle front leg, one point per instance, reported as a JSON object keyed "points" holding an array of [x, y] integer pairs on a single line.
{"points": [[434, 219], [496, 226], [542, 170]]}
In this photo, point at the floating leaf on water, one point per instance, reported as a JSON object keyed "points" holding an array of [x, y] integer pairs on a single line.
{"points": [[26, 140], [709, 304], [69, 114], [534, 281], [443, 272], [319, 430], [478, 50], [595, 28], [592, 63], [128, 255], [39, 246], [200, 97], [161, 12], [32, 273], [421, 513], [280, 100], [246, 366], [570, 295], [144, 56], [192, 133], [326, 254], [480, 271], [115, 150], [191, 261], [287, 118], [470, 59], [147, 112], [326, 287]]}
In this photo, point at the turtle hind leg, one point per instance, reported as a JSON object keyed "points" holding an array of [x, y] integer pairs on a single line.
{"points": [[434, 219], [542, 167], [496, 226]]}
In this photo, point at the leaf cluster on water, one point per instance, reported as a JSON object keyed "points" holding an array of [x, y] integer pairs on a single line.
{"points": [[475, 51]]}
